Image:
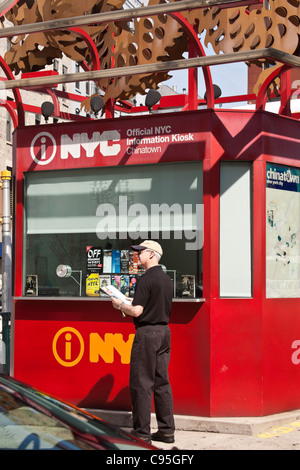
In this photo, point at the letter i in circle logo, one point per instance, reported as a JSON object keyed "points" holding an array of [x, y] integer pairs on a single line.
{"points": [[68, 347], [43, 148]]}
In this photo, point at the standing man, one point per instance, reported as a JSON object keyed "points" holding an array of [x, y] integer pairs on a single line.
{"points": [[150, 355]]}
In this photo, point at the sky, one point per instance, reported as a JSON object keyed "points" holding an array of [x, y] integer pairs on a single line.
{"points": [[231, 78]]}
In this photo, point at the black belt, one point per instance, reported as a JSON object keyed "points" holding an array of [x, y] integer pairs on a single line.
{"points": [[152, 324]]}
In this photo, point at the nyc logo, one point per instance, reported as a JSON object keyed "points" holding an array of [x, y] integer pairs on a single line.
{"points": [[68, 347]]}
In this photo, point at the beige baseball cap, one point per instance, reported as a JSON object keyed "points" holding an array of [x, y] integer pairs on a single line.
{"points": [[150, 245]]}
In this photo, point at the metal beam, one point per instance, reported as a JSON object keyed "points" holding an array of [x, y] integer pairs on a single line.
{"points": [[245, 56], [118, 15], [6, 5]]}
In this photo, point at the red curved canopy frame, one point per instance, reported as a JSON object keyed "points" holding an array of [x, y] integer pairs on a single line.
{"points": [[11, 111], [262, 98], [16, 92], [201, 53]]}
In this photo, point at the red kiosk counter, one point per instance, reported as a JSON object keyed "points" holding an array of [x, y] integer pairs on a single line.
{"points": [[220, 190]]}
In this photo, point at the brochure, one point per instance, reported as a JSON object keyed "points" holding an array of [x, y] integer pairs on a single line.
{"points": [[124, 284], [107, 255], [132, 284], [121, 282], [133, 262], [115, 261], [104, 281], [115, 281], [124, 261]]}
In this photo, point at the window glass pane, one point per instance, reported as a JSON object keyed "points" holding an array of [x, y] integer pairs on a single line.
{"points": [[282, 231], [74, 216], [235, 230]]}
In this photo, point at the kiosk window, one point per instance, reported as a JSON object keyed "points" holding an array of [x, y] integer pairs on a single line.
{"points": [[84, 222], [235, 229]]}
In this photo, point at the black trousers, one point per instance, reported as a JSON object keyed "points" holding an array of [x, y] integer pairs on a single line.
{"points": [[150, 356]]}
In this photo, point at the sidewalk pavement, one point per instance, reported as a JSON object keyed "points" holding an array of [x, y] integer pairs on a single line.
{"points": [[274, 432]]}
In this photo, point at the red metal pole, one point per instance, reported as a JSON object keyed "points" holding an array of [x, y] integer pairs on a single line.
{"points": [[285, 92]]}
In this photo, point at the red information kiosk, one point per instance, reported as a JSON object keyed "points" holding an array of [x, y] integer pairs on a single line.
{"points": [[220, 190]]}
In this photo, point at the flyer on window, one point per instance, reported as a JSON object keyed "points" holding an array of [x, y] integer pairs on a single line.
{"points": [[94, 262], [133, 262], [124, 284], [92, 285], [132, 284], [124, 261], [107, 256], [116, 261], [31, 288], [188, 285], [104, 281]]}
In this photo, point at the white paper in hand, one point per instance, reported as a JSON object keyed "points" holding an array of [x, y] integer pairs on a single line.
{"points": [[113, 292]]}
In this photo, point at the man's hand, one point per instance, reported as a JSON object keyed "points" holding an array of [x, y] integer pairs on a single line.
{"points": [[133, 311], [116, 302]]}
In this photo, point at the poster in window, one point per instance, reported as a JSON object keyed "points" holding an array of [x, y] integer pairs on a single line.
{"points": [[133, 262], [121, 282], [124, 261], [104, 281], [124, 284], [92, 285], [107, 255], [31, 288], [132, 284], [116, 261], [188, 285], [282, 231], [94, 263]]}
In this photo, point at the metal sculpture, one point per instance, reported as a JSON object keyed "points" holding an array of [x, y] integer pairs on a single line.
{"points": [[160, 38]]}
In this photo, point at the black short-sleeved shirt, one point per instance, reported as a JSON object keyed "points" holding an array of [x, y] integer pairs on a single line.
{"points": [[154, 292]]}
